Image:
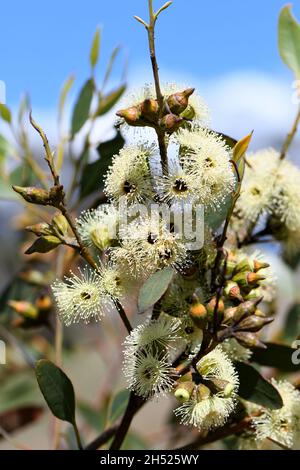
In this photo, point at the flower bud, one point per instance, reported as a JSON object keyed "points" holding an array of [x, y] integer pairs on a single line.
{"points": [[248, 279], [189, 113], [150, 109], [244, 265], [43, 245], [212, 305], [170, 123], [253, 323], [203, 392], [249, 340], [43, 303], [183, 391], [259, 313], [39, 229], [101, 237], [56, 195], [24, 308], [228, 390], [246, 309], [198, 314], [179, 101], [132, 116], [229, 314], [258, 265], [34, 195], [60, 223], [232, 291]]}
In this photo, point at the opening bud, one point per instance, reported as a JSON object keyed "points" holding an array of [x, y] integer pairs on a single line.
{"points": [[184, 391], [232, 291]]}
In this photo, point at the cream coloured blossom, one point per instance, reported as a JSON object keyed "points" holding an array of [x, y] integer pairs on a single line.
{"points": [[149, 373], [206, 157], [212, 410], [98, 227], [282, 425], [129, 175]]}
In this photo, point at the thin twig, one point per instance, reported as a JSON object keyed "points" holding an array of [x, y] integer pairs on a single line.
{"points": [[290, 136]]}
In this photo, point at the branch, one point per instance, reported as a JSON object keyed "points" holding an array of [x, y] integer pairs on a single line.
{"points": [[290, 136], [102, 439], [134, 404], [217, 435]]}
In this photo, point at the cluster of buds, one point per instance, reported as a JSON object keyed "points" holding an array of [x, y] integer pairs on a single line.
{"points": [[236, 310], [193, 385], [31, 314], [176, 111], [49, 235]]}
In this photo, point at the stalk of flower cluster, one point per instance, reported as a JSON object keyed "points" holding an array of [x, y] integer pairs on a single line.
{"points": [[83, 250]]}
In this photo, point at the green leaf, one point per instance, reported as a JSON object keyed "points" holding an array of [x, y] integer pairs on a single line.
{"points": [[253, 387], [94, 53], [43, 245], [5, 113], [110, 65], [107, 102], [82, 106], [24, 106], [63, 95], [5, 147], [118, 405], [57, 390], [92, 175], [289, 40], [292, 325], [93, 417], [154, 288], [276, 355]]}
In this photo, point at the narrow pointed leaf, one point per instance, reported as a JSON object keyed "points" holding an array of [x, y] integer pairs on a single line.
{"points": [[289, 40], [82, 106], [278, 356], [94, 53]]}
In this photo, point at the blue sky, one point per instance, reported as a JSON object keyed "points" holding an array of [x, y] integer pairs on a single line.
{"points": [[41, 43]]}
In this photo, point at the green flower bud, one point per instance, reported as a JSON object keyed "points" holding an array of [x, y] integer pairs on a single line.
{"points": [[198, 314], [60, 223], [248, 340], [179, 101], [253, 323], [232, 291], [170, 123], [34, 195], [183, 391], [39, 229], [248, 279], [24, 308]]}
